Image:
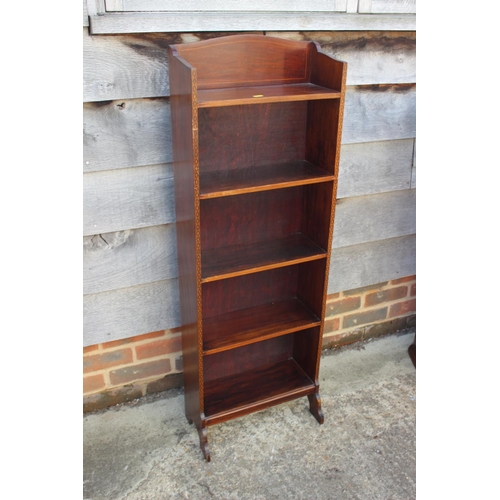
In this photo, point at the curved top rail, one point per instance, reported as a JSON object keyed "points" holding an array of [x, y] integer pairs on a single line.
{"points": [[242, 60]]}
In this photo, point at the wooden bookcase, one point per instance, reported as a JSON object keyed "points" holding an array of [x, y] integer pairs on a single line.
{"points": [[256, 129]]}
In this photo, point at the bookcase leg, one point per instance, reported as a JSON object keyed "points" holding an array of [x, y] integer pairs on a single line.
{"points": [[315, 407], [203, 433]]}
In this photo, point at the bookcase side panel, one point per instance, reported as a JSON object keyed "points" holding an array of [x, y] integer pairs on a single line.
{"points": [[183, 109], [323, 147]]}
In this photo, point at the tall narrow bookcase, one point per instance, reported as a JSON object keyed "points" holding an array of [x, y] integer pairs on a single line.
{"points": [[256, 129]]}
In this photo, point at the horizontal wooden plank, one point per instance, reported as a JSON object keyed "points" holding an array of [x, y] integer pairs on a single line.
{"points": [[129, 133], [379, 113], [225, 5], [373, 57], [123, 67], [129, 198], [132, 66], [371, 263], [122, 199], [137, 132], [374, 167], [149, 22], [85, 14], [414, 166], [128, 258], [387, 6], [374, 217], [130, 311]]}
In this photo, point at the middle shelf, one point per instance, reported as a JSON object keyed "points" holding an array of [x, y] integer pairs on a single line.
{"points": [[254, 324], [236, 260], [246, 180]]}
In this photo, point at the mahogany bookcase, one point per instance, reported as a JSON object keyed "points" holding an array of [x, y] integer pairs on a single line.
{"points": [[256, 130]]}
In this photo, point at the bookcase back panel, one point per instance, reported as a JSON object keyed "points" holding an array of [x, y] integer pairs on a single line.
{"points": [[247, 60], [250, 136], [249, 218], [241, 292], [247, 358]]}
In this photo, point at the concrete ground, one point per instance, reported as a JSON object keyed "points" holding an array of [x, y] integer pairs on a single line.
{"points": [[364, 450]]}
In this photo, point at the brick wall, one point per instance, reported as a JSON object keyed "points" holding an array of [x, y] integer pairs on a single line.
{"points": [[369, 312], [123, 370]]}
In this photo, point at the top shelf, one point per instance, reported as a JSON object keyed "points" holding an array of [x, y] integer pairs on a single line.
{"points": [[212, 98]]}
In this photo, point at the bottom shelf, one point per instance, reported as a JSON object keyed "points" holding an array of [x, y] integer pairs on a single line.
{"points": [[246, 392]]}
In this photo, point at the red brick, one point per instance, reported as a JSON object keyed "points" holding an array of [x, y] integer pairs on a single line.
{"points": [[333, 296], [387, 295], [364, 318], [141, 371], [402, 308], [90, 348], [359, 291], [331, 325], [93, 383], [403, 280], [130, 340], [158, 348], [108, 359], [413, 290], [342, 306]]}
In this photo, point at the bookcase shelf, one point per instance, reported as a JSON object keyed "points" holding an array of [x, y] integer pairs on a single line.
{"points": [[255, 324], [232, 396], [263, 178], [256, 129], [221, 263], [264, 94]]}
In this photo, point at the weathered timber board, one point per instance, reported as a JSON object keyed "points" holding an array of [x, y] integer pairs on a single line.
{"points": [[130, 66], [130, 311], [129, 133], [155, 306], [123, 199], [85, 16], [414, 166], [118, 200], [134, 66], [128, 258], [374, 167], [226, 5], [370, 263], [129, 198], [374, 217], [160, 22], [374, 57], [133, 257], [379, 113], [387, 6]]}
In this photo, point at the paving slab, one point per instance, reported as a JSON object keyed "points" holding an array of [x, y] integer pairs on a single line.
{"points": [[364, 450]]}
